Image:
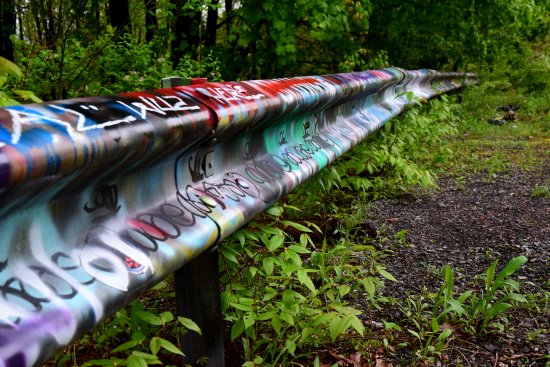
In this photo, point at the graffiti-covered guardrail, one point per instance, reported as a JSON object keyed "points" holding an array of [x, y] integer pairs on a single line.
{"points": [[103, 197]]}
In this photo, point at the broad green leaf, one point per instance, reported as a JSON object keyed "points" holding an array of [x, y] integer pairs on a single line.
{"points": [[242, 307], [276, 323], [149, 317], [229, 253], [189, 324], [275, 211], [512, 283], [7, 101], [148, 358], [510, 268], [128, 345], [155, 345], [252, 270], [270, 230], [490, 275], [304, 278], [369, 285], [103, 362], [515, 297], [166, 317], [286, 316], [455, 306], [435, 325], [391, 326], [464, 296], [268, 265], [497, 309], [386, 275], [169, 346], [289, 267], [288, 298], [336, 327], [266, 315], [298, 226], [293, 256], [445, 334], [27, 95], [8, 68], [323, 318], [304, 239], [275, 242], [290, 345], [343, 290], [357, 325], [306, 333], [241, 237], [136, 361], [449, 278], [414, 333], [248, 320], [237, 329]]}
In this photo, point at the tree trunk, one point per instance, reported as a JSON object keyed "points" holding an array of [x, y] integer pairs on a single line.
{"points": [[211, 24], [94, 19], [186, 31], [37, 22], [119, 15], [7, 28], [49, 26], [228, 10], [150, 20]]}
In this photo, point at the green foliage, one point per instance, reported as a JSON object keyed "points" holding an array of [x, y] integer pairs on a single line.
{"points": [[542, 190], [142, 348], [274, 39], [479, 311], [455, 34], [135, 337], [100, 67], [103, 67], [10, 74], [436, 317], [285, 293], [491, 149], [8, 68]]}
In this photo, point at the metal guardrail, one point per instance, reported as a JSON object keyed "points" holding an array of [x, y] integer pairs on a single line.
{"points": [[103, 197]]}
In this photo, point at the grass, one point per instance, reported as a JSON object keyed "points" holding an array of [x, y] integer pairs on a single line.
{"points": [[542, 191]]}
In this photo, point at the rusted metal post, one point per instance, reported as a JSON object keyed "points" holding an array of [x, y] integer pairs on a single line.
{"points": [[198, 298]]}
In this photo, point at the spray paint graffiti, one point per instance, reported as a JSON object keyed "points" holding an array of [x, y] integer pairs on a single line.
{"points": [[103, 197]]}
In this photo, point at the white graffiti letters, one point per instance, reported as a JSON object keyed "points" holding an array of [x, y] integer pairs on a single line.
{"points": [[158, 105]]}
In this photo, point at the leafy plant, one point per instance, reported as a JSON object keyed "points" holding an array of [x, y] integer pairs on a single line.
{"points": [[10, 75], [481, 310], [542, 191], [144, 345], [285, 292], [134, 336]]}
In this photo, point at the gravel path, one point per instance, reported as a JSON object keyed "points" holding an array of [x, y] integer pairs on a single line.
{"points": [[468, 224]]}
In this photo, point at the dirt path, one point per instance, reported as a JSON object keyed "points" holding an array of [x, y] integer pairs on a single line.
{"points": [[468, 224]]}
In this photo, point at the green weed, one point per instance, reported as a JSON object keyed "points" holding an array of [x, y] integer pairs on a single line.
{"points": [[285, 294], [541, 191], [480, 311]]}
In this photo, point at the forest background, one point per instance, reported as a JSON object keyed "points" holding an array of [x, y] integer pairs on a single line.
{"points": [[72, 48]]}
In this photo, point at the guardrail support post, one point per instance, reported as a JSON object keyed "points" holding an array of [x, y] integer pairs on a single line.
{"points": [[198, 298]]}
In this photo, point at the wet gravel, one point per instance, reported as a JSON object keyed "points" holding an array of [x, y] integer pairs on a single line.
{"points": [[469, 223]]}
